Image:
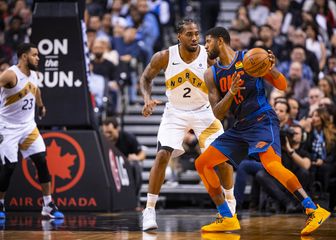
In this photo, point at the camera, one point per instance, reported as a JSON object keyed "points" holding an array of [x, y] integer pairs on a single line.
{"points": [[288, 132]]}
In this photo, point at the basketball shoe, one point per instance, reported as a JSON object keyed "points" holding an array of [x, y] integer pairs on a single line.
{"points": [[51, 211], [315, 219], [222, 224], [149, 219], [219, 236], [2, 211]]}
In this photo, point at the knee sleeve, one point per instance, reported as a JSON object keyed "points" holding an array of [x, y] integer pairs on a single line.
{"points": [[41, 167], [272, 163], [6, 172]]}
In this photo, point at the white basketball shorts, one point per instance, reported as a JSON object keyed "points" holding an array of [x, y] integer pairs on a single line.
{"points": [[176, 123], [25, 138]]}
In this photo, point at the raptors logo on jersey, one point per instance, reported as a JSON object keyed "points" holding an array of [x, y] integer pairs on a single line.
{"points": [[17, 104], [185, 86]]}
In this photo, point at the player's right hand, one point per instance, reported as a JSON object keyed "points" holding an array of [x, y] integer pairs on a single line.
{"points": [[149, 106], [236, 84]]}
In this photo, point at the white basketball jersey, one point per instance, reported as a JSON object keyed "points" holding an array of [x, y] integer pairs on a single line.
{"points": [[185, 86], [17, 104]]}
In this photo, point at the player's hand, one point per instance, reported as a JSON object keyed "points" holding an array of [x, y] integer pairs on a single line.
{"points": [[149, 106], [272, 59], [42, 111], [236, 84]]}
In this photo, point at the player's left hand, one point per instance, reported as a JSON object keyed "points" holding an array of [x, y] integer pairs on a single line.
{"points": [[272, 59], [42, 111]]}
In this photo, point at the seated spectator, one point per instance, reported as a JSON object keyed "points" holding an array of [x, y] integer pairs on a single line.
{"points": [[294, 107], [315, 44], [129, 51], [328, 88], [296, 158], [128, 145], [297, 54], [321, 143], [298, 86], [258, 12]]}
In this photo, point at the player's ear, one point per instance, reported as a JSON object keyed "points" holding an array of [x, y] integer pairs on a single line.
{"points": [[178, 37]]}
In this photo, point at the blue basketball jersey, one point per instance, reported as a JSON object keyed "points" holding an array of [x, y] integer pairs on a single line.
{"points": [[249, 102]]}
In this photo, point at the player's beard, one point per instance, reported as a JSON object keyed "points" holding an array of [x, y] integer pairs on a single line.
{"points": [[214, 53], [32, 66], [192, 49]]}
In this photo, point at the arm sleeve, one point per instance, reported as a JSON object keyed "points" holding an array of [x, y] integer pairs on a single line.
{"points": [[280, 82]]}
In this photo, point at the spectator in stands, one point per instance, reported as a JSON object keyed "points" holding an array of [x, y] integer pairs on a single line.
{"points": [[110, 72], [298, 54], [321, 143], [294, 107], [299, 39], [235, 41], [209, 20], [258, 12], [328, 88], [97, 84], [129, 51], [15, 34], [298, 86], [128, 145], [331, 64], [247, 168], [322, 12], [266, 35], [296, 158], [95, 22], [107, 24], [147, 25], [315, 44]]}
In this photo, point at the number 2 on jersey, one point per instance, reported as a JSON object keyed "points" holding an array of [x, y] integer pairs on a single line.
{"points": [[27, 104], [187, 91]]}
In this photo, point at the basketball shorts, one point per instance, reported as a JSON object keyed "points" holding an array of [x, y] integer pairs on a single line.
{"points": [[176, 123], [25, 138], [249, 138]]}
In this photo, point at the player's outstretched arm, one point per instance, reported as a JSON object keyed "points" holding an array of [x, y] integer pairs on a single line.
{"points": [[274, 77], [158, 62], [220, 106], [8, 77]]}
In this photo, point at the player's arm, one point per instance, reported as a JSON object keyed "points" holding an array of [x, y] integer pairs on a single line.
{"points": [[7, 78], [158, 62], [274, 77], [220, 106], [41, 108]]}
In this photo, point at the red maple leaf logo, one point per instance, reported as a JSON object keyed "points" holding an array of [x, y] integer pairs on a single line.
{"points": [[58, 165]]}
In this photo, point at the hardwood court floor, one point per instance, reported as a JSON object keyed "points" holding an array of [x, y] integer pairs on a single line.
{"points": [[173, 225]]}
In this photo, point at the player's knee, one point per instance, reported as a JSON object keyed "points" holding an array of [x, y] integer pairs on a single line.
{"points": [[200, 163], [163, 156], [41, 167]]}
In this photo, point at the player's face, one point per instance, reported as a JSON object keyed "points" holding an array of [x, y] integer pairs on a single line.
{"points": [[211, 46], [189, 38], [33, 59]]}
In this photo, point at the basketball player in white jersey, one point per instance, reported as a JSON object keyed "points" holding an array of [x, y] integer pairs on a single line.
{"points": [[187, 108], [19, 94]]}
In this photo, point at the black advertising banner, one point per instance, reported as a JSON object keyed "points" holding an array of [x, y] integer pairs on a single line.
{"points": [[122, 183], [57, 32], [80, 177]]}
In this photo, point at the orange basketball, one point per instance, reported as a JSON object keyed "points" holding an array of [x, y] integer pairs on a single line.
{"points": [[256, 62]]}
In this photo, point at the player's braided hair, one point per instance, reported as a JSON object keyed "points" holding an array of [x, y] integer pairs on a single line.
{"points": [[186, 21]]}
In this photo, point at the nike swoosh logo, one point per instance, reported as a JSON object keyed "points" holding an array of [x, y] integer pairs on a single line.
{"points": [[319, 222], [176, 63]]}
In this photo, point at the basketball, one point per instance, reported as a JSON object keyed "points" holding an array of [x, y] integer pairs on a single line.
{"points": [[256, 62]]}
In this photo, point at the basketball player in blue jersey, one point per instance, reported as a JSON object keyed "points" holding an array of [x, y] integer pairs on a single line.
{"points": [[255, 131], [187, 108]]}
